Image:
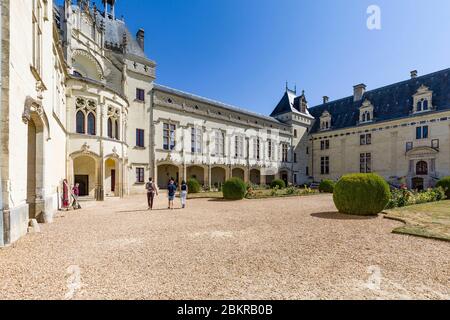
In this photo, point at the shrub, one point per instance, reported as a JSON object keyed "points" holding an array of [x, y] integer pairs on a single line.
{"points": [[292, 191], [327, 186], [444, 183], [193, 185], [361, 194], [278, 183], [234, 189], [402, 198]]}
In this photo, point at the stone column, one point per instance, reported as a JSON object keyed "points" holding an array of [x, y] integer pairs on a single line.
{"points": [[262, 179], [209, 176], [246, 175]]}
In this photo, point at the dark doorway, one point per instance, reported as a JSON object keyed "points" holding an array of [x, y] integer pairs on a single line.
{"points": [[113, 180], [284, 177], [418, 184], [83, 181]]}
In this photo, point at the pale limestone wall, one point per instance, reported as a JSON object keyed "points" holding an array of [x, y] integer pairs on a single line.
{"points": [[138, 118], [23, 84], [300, 125], [209, 118], [388, 148], [99, 147]]}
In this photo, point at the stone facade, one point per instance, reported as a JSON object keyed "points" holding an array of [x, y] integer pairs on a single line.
{"points": [[79, 102]]}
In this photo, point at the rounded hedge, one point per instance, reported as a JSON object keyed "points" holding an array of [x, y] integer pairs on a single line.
{"points": [[234, 189], [327, 186], [361, 194], [193, 186], [444, 183], [278, 183]]}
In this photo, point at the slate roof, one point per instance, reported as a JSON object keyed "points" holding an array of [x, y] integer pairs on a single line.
{"points": [[216, 103], [288, 103], [390, 102], [114, 30]]}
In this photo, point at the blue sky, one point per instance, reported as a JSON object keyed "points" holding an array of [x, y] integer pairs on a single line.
{"points": [[242, 52]]}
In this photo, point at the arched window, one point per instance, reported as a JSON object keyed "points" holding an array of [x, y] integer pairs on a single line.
{"points": [[367, 116], [91, 124], [110, 128], [80, 122], [425, 105], [422, 168], [419, 106], [116, 129]]}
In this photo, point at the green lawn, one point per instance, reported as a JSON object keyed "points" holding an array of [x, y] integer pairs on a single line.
{"points": [[429, 220], [256, 194], [202, 195]]}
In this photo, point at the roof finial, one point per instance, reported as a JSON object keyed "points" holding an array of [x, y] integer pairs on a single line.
{"points": [[287, 86]]}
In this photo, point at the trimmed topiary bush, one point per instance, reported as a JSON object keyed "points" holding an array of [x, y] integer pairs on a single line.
{"points": [[361, 194], [234, 189], [327, 186], [444, 183], [278, 183], [193, 186]]}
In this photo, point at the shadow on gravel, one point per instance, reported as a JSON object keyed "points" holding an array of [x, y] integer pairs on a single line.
{"points": [[339, 216]]}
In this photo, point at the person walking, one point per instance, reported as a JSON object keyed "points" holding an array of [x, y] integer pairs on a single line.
{"points": [[75, 195], [151, 191], [183, 193], [171, 190], [65, 195]]}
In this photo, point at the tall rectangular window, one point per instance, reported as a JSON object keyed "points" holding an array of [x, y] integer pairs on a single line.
{"points": [[140, 175], [219, 141], [325, 165], [422, 132], [239, 146], [324, 144], [365, 162], [196, 140], [295, 157], [37, 20], [140, 95], [365, 139], [269, 149], [257, 148], [284, 152], [169, 136], [140, 138], [307, 171]]}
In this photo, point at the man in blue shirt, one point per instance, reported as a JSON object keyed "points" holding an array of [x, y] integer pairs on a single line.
{"points": [[171, 190]]}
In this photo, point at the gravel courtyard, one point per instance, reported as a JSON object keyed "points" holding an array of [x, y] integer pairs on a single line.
{"points": [[293, 248]]}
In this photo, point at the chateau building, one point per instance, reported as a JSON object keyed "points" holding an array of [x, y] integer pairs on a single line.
{"points": [[79, 103]]}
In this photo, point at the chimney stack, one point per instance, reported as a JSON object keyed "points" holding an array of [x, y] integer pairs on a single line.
{"points": [[413, 74], [358, 91], [140, 37], [325, 99]]}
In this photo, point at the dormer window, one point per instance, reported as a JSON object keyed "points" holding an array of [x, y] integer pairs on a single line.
{"points": [[423, 100], [366, 112], [325, 121], [422, 105]]}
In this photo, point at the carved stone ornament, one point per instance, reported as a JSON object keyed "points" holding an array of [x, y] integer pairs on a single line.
{"points": [[85, 148]]}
